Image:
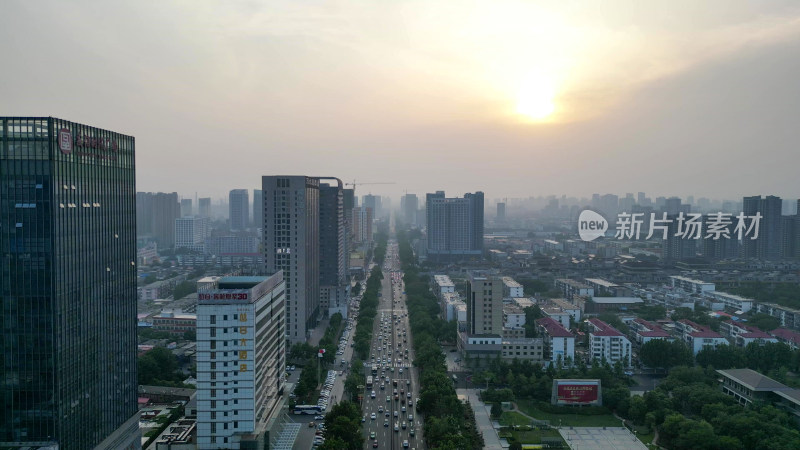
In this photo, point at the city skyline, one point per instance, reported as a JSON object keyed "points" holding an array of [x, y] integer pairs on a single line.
{"points": [[708, 89]]}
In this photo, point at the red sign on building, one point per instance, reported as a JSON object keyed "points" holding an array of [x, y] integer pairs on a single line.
{"points": [[569, 392]]}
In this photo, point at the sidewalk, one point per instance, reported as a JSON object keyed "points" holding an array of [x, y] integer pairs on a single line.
{"points": [[482, 420], [318, 332]]}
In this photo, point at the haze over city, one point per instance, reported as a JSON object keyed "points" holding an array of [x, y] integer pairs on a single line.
{"points": [[514, 98]]}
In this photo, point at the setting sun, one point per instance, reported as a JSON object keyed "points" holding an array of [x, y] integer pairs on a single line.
{"points": [[536, 99]]}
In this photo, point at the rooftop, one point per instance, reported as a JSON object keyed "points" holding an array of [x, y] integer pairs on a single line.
{"points": [[753, 380], [603, 329], [563, 304], [617, 300], [239, 282], [787, 335], [554, 328], [602, 282]]}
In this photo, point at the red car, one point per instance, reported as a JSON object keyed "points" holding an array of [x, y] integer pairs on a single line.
{"points": [[375, 443]]}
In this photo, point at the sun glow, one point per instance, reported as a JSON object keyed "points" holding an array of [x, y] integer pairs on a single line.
{"points": [[536, 98]]}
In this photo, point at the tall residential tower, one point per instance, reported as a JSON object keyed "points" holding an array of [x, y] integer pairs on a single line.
{"points": [[291, 244]]}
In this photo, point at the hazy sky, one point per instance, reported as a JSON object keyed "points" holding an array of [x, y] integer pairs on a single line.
{"points": [[669, 97]]}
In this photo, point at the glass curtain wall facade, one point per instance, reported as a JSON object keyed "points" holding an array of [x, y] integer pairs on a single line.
{"points": [[67, 283]]}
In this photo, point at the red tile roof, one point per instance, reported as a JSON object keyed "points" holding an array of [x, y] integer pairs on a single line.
{"points": [[553, 327], [787, 335], [604, 329]]}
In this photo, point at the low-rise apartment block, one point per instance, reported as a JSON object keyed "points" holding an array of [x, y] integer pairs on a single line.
{"points": [[690, 285], [605, 287], [609, 344], [175, 322], [790, 318], [559, 342], [788, 337], [572, 288], [523, 349], [511, 288], [645, 331], [742, 334], [557, 314], [513, 316], [699, 336], [727, 301], [442, 284]]}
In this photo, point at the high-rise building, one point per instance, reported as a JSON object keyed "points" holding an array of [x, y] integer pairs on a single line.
{"points": [[258, 208], [348, 201], [240, 360], [332, 249], [67, 286], [155, 216], [362, 225], [374, 202], [291, 244], [191, 232], [239, 204], [455, 226], [501, 211], [186, 207], [204, 207], [409, 205], [768, 244], [484, 305]]}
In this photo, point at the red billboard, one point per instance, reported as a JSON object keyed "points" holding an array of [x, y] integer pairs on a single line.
{"points": [[577, 392]]}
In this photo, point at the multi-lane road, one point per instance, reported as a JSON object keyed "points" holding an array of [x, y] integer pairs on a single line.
{"points": [[395, 381]]}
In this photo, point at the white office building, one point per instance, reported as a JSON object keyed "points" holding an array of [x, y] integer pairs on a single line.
{"points": [[240, 359], [191, 232]]}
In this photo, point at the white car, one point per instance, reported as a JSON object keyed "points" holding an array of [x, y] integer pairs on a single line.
{"points": [[372, 416]]}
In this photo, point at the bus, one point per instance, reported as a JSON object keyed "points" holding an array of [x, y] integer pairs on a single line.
{"points": [[308, 409], [374, 369], [369, 382]]}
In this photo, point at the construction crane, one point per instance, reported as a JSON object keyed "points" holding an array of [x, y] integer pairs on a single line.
{"points": [[354, 183]]}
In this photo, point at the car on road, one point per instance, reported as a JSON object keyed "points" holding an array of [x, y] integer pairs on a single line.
{"points": [[396, 427], [403, 425], [311, 424], [410, 417], [411, 431], [386, 423], [319, 417], [373, 416], [388, 399], [372, 435], [375, 444], [405, 443]]}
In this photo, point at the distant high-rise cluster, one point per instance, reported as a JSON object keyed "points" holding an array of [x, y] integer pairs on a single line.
{"points": [[155, 216], [455, 226], [409, 204], [239, 204]]}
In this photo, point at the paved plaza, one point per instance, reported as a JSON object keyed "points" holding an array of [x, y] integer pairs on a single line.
{"points": [[600, 438]]}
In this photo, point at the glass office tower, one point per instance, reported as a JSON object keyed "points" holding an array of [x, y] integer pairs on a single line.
{"points": [[67, 285]]}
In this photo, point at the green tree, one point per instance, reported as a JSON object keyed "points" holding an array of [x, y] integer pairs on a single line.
{"points": [[722, 357], [663, 354], [497, 410]]}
